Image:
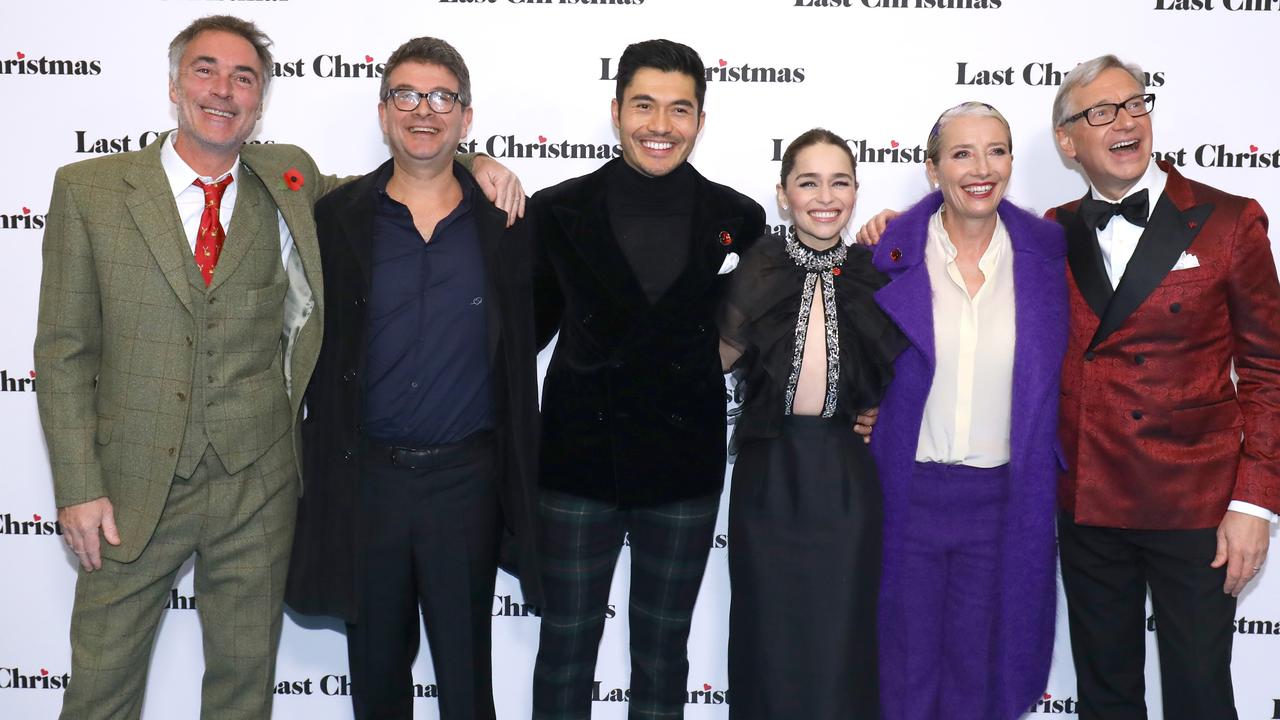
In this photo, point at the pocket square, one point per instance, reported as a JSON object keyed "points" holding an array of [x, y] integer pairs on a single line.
{"points": [[1186, 262], [730, 262]]}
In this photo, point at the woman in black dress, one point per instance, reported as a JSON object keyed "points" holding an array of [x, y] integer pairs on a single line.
{"points": [[810, 349]]}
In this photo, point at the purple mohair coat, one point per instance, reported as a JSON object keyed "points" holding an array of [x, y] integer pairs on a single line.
{"points": [[1023, 646]]}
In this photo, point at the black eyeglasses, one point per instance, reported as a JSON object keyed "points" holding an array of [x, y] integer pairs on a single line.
{"points": [[1106, 113], [441, 101]]}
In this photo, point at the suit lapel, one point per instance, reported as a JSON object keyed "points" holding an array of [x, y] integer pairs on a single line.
{"points": [[586, 226], [1166, 237], [1085, 259], [908, 300], [246, 223], [706, 253], [156, 216], [1037, 273]]}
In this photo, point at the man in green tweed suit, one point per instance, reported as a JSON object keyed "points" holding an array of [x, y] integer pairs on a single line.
{"points": [[180, 319], [170, 386]]}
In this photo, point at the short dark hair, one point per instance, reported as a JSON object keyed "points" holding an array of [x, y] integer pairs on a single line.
{"points": [[229, 24], [816, 136], [664, 55], [430, 51]]}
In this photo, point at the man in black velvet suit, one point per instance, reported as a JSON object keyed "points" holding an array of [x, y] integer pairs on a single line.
{"points": [[630, 270]]}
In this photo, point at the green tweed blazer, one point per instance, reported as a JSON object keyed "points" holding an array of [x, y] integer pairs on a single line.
{"points": [[113, 343]]}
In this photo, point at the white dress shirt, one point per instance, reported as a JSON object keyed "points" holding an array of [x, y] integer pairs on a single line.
{"points": [[190, 199], [967, 413], [1118, 241]]}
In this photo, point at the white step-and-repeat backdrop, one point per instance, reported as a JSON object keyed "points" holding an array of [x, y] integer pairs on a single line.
{"points": [[80, 79]]}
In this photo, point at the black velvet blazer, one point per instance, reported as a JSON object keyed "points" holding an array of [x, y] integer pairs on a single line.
{"points": [[633, 403]]}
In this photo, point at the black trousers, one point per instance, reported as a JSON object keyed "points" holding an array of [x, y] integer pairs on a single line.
{"points": [[1106, 573], [431, 527], [581, 539]]}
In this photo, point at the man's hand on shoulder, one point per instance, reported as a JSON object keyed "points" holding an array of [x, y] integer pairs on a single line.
{"points": [[80, 526], [1242, 547], [500, 185]]}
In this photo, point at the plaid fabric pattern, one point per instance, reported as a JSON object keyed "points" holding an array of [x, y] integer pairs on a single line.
{"points": [[581, 539], [239, 526]]}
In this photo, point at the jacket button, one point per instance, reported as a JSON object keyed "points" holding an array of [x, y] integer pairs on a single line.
{"points": [[677, 418], [171, 451], [1139, 359], [1089, 355], [1175, 308], [1136, 414], [349, 375], [600, 416], [182, 396], [347, 455]]}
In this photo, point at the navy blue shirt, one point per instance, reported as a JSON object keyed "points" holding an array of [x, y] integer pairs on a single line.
{"points": [[428, 376]]}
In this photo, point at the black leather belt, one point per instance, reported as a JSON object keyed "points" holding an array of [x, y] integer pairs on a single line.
{"points": [[425, 456]]}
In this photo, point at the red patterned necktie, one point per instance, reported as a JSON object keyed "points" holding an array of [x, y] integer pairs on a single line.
{"points": [[210, 236]]}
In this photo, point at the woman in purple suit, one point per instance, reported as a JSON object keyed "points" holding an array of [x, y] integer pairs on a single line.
{"points": [[965, 444]]}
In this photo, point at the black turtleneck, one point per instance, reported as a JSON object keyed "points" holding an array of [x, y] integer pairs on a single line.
{"points": [[651, 219]]}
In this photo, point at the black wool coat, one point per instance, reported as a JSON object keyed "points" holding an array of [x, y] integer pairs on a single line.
{"points": [[324, 566], [633, 402]]}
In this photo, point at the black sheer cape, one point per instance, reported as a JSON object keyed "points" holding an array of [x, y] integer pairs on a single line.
{"points": [[758, 319]]}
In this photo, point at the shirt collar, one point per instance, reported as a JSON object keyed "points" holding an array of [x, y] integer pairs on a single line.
{"points": [[468, 183], [180, 174], [1152, 181], [941, 245]]}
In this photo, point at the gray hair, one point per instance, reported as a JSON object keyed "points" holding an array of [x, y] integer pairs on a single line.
{"points": [[224, 23], [964, 109], [1085, 73], [430, 51]]}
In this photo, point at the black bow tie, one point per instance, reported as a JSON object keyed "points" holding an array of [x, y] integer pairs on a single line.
{"points": [[1097, 213]]}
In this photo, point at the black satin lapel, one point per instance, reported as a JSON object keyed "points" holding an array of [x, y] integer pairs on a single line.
{"points": [[1085, 259], [589, 232], [1167, 236]]}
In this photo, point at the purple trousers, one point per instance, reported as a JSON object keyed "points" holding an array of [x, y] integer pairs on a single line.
{"points": [[952, 581]]}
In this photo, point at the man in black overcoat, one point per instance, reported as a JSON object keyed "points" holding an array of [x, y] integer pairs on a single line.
{"points": [[420, 437], [631, 264]]}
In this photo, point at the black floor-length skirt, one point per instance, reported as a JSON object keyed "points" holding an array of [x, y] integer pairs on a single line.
{"points": [[804, 566]]}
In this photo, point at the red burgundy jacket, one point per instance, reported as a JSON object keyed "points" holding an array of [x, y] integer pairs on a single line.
{"points": [[1155, 434]]}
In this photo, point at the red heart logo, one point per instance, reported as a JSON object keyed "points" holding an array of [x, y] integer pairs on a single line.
{"points": [[893, 143], [32, 373], [21, 54], [43, 671], [542, 138], [722, 62], [26, 210], [1047, 696], [706, 686], [368, 58], [1253, 148], [35, 516]]}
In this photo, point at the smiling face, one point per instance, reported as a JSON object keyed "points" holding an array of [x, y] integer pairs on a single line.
{"points": [[658, 120], [820, 192], [1114, 156], [423, 135], [218, 94], [973, 166]]}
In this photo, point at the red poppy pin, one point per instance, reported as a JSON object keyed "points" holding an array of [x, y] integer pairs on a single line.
{"points": [[725, 238], [895, 254], [836, 270], [293, 179]]}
